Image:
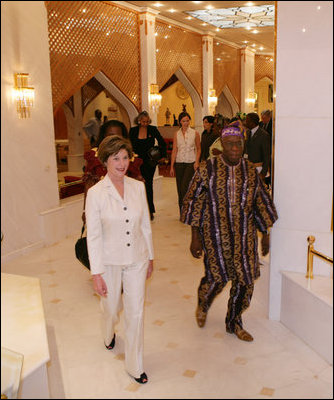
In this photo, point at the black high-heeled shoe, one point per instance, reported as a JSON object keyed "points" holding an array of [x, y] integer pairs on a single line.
{"points": [[142, 379], [112, 343]]}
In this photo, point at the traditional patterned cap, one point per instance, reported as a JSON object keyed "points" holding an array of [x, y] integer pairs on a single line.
{"points": [[239, 124], [231, 131]]}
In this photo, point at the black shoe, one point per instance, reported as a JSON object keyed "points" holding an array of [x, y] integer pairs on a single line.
{"points": [[142, 379], [112, 343], [152, 216]]}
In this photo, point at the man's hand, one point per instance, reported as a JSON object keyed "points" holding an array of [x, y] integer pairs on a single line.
{"points": [[196, 243], [265, 244]]}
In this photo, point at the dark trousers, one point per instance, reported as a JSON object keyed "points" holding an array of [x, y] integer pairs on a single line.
{"points": [[183, 172], [240, 298], [147, 171]]}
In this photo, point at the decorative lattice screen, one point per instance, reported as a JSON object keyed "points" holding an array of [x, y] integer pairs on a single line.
{"points": [[226, 69], [178, 48], [90, 36], [264, 67]]}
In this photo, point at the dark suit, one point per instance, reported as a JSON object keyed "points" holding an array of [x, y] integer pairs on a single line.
{"points": [[140, 147], [258, 148]]}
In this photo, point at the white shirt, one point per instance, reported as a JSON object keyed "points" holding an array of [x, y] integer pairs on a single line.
{"points": [[186, 146], [118, 230]]}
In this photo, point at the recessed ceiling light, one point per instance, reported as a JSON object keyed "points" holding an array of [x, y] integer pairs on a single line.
{"points": [[319, 8], [209, 7], [303, 30], [158, 5], [261, 48], [217, 29], [249, 4], [255, 31], [254, 45], [172, 10], [204, 24], [189, 17], [197, 2]]}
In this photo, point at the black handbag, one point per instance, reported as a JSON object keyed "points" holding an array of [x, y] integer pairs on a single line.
{"points": [[154, 155], [81, 251]]}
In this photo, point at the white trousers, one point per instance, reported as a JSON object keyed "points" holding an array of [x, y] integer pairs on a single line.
{"points": [[132, 278]]}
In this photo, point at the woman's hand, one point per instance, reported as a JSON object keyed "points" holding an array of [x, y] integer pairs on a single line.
{"points": [[149, 269], [216, 152], [196, 165], [99, 285], [172, 171]]}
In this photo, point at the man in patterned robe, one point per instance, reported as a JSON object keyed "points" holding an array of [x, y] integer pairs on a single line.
{"points": [[225, 205]]}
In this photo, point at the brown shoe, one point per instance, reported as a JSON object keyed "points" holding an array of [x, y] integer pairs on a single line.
{"points": [[200, 317], [241, 334]]}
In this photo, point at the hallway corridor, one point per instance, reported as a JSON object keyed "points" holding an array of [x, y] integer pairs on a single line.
{"points": [[181, 360]]}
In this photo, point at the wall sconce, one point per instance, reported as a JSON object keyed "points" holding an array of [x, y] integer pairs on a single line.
{"points": [[155, 97], [23, 95], [252, 97], [212, 100]]}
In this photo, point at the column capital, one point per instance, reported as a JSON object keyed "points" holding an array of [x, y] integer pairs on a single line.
{"points": [[144, 11]]}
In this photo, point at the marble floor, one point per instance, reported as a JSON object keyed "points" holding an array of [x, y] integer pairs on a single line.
{"points": [[181, 360]]}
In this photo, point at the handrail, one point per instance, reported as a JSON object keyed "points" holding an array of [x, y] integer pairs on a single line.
{"points": [[310, 253]]}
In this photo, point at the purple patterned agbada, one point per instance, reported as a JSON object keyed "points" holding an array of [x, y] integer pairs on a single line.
{"points": [[229, 204]]}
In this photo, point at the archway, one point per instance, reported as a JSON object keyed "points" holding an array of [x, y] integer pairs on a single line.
{"points": [[227, 105]]}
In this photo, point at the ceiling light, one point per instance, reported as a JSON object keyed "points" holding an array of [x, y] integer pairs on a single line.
{"points": [[197, 2], [209, 7], [245, 41], [217, 30], [255, 31], [249, 4], [172, 10], [261, 48], [158, 5], [319, 8], [303, 30], [204, 24], [189, 17]]}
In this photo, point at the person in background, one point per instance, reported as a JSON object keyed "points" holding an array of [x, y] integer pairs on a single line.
{"points": [[209, 135], [143, 137], [267, 124], [95, 170], [257, 148], [92, 127], [216, 148], [225, 205], [120, 248], [185, 155]]}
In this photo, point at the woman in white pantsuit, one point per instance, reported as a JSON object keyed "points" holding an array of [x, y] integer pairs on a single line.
{"points": [[120, 249]]}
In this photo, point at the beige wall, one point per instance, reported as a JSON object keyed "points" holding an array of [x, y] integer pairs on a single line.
{"points": [[29, 182], [171, 100]]}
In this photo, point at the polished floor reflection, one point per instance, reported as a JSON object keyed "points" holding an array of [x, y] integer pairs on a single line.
{"points": [[181, 360]]}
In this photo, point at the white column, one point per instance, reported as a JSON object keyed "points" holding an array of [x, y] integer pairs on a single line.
{"points": [[247, 78], [303, 141], [207, 53], [148, 58], [75, 137]]}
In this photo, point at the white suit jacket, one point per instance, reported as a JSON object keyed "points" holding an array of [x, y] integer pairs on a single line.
{"points": [[118, 230]]}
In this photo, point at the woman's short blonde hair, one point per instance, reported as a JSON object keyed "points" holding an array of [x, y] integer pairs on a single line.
{"points": [[112, 145], [143, 114]]}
